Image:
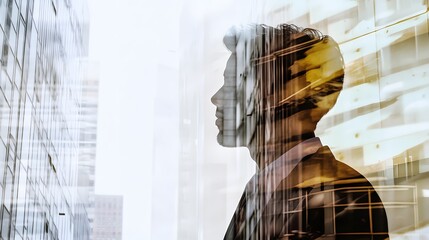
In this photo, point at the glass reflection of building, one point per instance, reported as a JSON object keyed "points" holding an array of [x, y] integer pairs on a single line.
{"points": [[42, 42], [379, 125]]}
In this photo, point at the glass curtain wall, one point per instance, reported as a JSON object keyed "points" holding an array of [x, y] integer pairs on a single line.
{"points": [[41, 44]]}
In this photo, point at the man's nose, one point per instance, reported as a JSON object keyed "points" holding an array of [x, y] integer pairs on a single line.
{"points": [[217, 98]]}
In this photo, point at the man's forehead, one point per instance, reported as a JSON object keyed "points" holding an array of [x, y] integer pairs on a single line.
{"points": [[234, 71], [241, 34], [238, 71], [231, 66]]}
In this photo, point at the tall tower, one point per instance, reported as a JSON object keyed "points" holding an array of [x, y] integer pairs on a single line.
{"points": [[42, 44], [108, 211], [88, 140]]}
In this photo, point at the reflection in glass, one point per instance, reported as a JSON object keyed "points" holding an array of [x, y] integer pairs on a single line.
{"points": [[279, 82]]}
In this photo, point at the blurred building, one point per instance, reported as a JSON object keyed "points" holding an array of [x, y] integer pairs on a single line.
{"points": [[166, 149], [42, 46], [107, 217], [88, 140]]}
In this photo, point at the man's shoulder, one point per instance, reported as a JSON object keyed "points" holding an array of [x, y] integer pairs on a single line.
{"points": [[321, 168]]}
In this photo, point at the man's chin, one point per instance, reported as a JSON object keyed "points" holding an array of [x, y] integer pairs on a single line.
{"points": [[219, 138], [225, 142]]}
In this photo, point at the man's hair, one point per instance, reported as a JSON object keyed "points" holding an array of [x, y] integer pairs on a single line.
{"points": [[276, 64], [276, 50]]}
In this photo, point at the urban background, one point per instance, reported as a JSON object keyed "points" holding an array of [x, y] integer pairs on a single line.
{"points": [[48, 118], [107, 130]]}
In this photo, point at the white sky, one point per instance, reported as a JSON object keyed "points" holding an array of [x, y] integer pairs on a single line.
{"points": [[125, 40]]}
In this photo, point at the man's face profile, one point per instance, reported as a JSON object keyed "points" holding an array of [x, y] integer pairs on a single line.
{"points": [[278, 83]]}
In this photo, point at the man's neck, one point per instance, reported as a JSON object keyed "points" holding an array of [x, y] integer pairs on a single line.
{"points": [[272, 151]]}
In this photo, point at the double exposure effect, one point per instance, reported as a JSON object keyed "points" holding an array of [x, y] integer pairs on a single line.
{"points": [[278, 83]]}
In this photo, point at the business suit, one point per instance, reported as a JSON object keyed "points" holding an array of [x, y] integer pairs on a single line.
{"points": [[314, 197]]}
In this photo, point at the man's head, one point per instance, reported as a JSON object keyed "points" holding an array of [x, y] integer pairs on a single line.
{"points": [[279, 82]]}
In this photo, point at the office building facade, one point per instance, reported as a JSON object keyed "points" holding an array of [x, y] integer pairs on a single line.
{"points": [[42, 43], [107, 217]]}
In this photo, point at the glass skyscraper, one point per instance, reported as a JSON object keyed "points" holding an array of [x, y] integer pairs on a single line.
{"points": [[43, 44]]}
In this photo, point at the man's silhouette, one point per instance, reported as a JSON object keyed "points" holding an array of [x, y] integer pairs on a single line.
{"points": [[279, 82]]}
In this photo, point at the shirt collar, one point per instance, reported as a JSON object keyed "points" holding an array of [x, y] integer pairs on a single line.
{"points": [[295, 154]]}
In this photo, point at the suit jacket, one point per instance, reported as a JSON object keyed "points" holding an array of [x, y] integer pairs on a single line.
{"points": [[313, 197]]}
